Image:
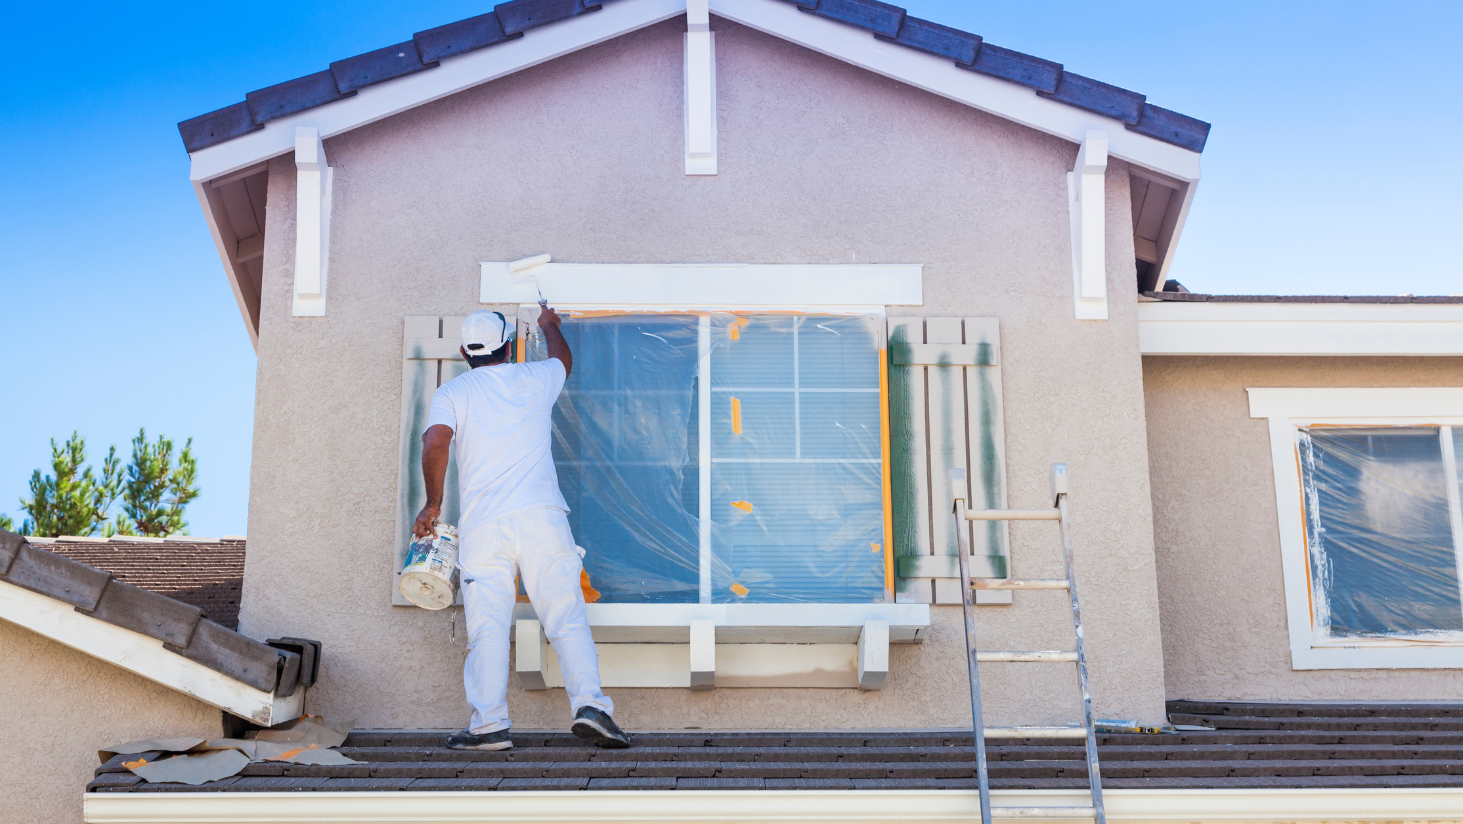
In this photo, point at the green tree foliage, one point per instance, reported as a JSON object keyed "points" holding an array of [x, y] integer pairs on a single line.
{"points": [[5, 523], [72, 500], [156, 490]]}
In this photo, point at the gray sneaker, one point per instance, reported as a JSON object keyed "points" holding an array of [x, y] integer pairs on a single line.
{"points": [[468, 740], [594, 724]]}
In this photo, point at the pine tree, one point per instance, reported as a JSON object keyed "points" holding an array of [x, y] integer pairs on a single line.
{"points": [[72, 501], [5, 523], [156, 491]]}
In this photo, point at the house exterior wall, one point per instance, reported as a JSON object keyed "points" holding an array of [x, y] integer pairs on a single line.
{"points": [[1216, 529], [58, 707], [819, 162]]}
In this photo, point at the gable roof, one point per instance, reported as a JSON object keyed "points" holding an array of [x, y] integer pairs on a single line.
{"points": [[509, 21]]}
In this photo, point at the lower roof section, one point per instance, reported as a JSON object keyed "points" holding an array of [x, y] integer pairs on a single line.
{"points": [[1178, 323]]}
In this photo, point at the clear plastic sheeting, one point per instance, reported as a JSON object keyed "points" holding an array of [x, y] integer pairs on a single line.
{"points": [[794, 483], [1379, 527]]}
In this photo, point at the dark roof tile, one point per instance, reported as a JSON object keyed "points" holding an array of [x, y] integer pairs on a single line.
{"points": [[1099, 97], [283, 99], [460, 37], [377, 66], [518, 16], [879, 18], [933, 38], [217, 127], [156, 616], [232, 654], [58, 577], [208, 575], [1008, 64], [1171, 127]]}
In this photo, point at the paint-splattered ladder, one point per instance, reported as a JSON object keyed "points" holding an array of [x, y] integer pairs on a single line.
{"points": [[1058, 512]]}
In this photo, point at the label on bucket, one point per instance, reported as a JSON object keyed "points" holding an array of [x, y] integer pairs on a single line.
{"points": [[429, 577]]}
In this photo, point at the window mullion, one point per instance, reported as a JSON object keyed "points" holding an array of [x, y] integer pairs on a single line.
{"points": [[703, 446], [797, 395], [1455, 506]]}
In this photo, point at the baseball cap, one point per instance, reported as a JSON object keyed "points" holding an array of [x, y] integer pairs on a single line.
{"points": [[485, 332]]}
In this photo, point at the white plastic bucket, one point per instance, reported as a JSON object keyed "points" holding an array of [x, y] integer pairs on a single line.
{"points": [[429, 578]]}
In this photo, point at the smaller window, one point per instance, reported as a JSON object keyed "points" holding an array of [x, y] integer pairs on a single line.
{"points": [[1380, 513]]}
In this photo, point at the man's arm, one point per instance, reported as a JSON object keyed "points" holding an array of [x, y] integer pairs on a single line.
{"points": [[548, 321], [435, 442]]}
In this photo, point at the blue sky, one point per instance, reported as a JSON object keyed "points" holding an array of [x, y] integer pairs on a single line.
{"points": [[1332, 168]]}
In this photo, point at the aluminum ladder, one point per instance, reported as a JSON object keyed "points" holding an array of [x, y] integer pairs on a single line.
{"points": [[1058, 512]]}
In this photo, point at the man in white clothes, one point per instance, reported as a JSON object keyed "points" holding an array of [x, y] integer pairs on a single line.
{"points": [[513, 524]]}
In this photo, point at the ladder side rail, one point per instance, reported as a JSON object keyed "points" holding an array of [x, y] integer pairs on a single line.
{"points": [[983, 781], [1094, 778]]}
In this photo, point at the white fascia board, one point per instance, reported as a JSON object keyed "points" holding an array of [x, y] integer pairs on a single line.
{"points": [[455, 74], [1297, 329], [613, 285], [144, 656], [850, 806], [940, 76]]}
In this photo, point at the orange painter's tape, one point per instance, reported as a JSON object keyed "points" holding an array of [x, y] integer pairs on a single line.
{"points": [[739, 589], [744, 506], [736, 416], [875, 547]]}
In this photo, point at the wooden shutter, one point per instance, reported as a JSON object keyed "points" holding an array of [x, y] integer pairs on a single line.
{"points": [[429, 359], [945, 412]]}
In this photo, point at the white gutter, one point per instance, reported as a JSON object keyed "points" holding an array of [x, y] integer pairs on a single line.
{"points": [[843, 806], [1300, 329]]}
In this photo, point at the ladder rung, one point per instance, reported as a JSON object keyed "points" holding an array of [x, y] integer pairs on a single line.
{"points": [[1052, 514], [1018, 583], [1031, 657], [1043, 812], [1035, 732]]}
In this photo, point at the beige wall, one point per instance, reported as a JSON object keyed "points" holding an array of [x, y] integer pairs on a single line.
{"points": [[1217, 533], [58, 707], [583, 157]]}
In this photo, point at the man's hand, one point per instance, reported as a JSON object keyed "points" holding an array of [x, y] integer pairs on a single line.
{"points": [[423, 528], [547, 317]]}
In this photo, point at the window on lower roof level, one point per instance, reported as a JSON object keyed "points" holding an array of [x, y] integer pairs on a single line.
{"points": [[1382, 521], [720, 458]]}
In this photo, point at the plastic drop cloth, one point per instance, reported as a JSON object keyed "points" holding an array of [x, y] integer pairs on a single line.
{"points": [[1381, 548], [795, 478]]}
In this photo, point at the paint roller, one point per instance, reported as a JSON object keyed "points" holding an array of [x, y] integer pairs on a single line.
{"points": [[525, 269]]}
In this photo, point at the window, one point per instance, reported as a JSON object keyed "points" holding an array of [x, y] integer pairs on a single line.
{"points": [[771, 424], [1372, 538]]}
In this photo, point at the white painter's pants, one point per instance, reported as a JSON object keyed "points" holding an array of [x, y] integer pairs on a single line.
{"points": [[537, 544]]}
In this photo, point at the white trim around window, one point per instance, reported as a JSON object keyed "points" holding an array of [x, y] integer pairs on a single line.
{"points": [[1290, 409]]}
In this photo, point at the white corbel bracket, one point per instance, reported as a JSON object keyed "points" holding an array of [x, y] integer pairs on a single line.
{"points": [[873, 655], [703, 655], [700, 90], [312, 222], [1087, 203]]}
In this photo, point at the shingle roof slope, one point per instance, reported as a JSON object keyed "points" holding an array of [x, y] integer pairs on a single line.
{"points": [[510, 20], [208, 575], [273, 667], [1253, 746]]}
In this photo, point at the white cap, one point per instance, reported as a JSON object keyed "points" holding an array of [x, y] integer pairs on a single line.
{"points": [[484, 333]]}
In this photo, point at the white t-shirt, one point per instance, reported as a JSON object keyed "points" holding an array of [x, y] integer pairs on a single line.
{"points": [[501, 422]]}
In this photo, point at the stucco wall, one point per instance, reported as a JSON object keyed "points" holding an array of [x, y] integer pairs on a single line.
{"points": [[820, 163], [1220, 587], [58, 707]]}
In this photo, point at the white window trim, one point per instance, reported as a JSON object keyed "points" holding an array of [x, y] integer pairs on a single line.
{"points": [[1300, 329], [1288, 409]]}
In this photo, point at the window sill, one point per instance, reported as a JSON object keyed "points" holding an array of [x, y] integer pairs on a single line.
{"points": [[1421, 656], [706, 646]]}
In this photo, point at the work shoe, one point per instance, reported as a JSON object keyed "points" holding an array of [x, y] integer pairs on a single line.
{"points": [[594, 724], [468, 740]]}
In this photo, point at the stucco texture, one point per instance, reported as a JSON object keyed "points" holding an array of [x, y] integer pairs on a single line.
{"points": [[1217, 532], [58, 707], [819, 162]]}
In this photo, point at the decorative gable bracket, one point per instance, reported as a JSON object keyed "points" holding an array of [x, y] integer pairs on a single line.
{"points": [[700, 90], [1087, 203], [313, 178]]}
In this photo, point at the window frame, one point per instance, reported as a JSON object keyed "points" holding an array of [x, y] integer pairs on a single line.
{"points": [[1287, 411], [705, 391]]}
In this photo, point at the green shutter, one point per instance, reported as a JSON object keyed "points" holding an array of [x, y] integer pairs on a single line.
{"points": [[942, 417], [428, 359]]}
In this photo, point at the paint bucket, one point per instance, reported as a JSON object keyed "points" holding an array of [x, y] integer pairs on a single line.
{"points": [[429, 578]]}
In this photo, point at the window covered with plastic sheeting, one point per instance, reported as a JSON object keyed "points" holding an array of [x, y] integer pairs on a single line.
{"points": [[720, 458], [1381, 511]]}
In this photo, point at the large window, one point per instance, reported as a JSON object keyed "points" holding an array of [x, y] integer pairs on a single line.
{"points": [[1381, 510], [720, 458], [1371, 525]]}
